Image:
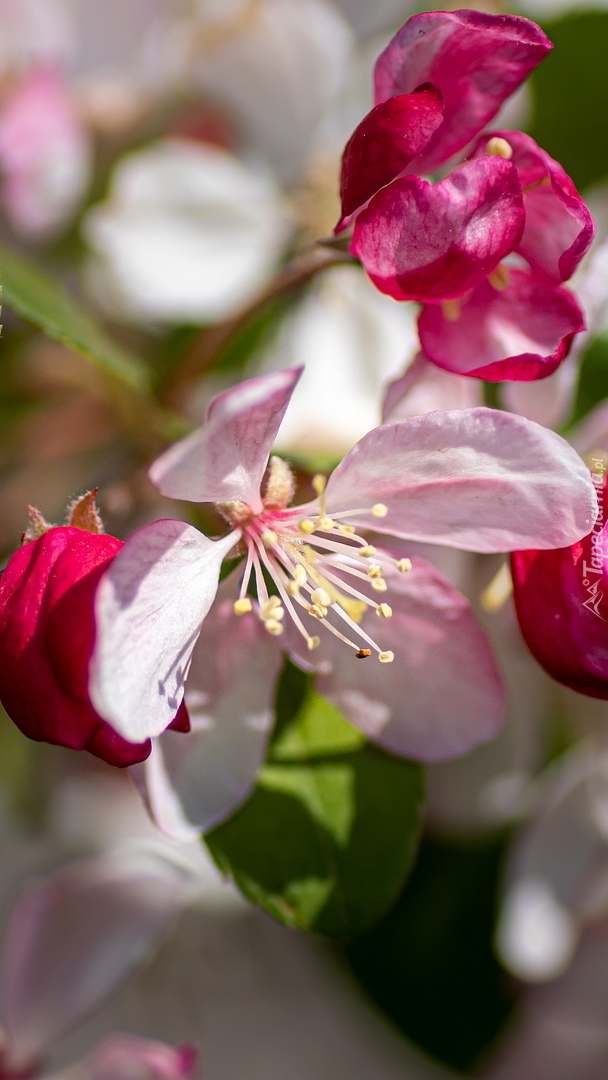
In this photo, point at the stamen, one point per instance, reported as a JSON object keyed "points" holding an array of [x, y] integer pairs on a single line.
{"points": [[384, 611], [367, 551], [500, 278], [242, 605], [319, 483], [273, 627], [307, 526], [379, 585], [403, 565], [499, 147], [451, 310], [379, 510], [269, 538], [313, 643], [374, 571], [320, 596], [362, 654], [386, 657]]}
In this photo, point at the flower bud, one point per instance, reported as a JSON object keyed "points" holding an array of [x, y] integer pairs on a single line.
{"points": [[47, 632]]}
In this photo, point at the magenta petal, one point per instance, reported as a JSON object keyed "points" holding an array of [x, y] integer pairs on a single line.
{"points": [[442, 695], [194, 782], [519, 333], [225, 460], [73, 938], [150, 606], [474, 59], [561, 601], [384, 143], [421, 241], [559, 227], [481, 479]]}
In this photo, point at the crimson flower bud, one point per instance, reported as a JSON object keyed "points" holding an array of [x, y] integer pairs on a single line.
{"points": [[47, 632], [561, 599]]}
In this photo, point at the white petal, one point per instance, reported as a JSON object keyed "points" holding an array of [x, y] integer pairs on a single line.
{"points": [[150, 606]]}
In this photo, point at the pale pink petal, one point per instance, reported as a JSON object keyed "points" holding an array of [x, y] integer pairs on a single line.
{"points": [[520, 333], [384, 143], [424, 387], [126, 1057], [480, 479], [225, 460], [193, 782], [442, 695], [74, 937], [150, 607], [475, 60], [548, 401], [422, 241], [559, 227]]}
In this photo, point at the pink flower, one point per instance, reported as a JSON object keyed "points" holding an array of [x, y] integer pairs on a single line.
{"points": [[443, 244], [46, 639], [561, 599], [312, 586]]}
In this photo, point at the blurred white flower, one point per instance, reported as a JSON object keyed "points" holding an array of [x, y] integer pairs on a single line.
{"points": [[187, 234]]}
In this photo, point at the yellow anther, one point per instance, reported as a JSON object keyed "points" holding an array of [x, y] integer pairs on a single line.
{"points": [[325, 524], [384, 611], [367, 551], [299, 574], [272, 609], [386, 657], [273, 627], [500, 278], [450, 309], [242, 606], [269, 538], [379, 510], [293, 588], [499, 147], [347, 530], [379, 584], [404, 565], [319, 483], [362, 654], [321, 596], [307, 526], [313, 643], [317, 611], [374, 571]]}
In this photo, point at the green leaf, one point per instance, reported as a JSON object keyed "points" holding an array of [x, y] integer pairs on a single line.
{"points": [[571, 93], [327, 839], [38, 299]]}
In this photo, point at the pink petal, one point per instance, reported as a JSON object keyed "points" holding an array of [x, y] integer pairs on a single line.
{"points": [[442, 695], [126, 1057], [384, 143], [559, 227], [150, 607], [194, 782], [225, 460], [480, 479], [421, 241], [519, 333], [423, 388], [73, 938], [474, 59]]}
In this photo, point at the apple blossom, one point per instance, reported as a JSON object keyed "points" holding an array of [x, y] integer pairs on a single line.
{"points": [[443, 244], [46, 638], [313, 586]]}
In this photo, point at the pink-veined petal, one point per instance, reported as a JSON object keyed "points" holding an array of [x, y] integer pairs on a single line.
{"points": [[126, 1057], [476, 60], [384, 143], [150, 606], [442, 695], [225, 460], [74, 937], [422, 241], [480, 479], [559, 227], [519, 333], [194, 782]]}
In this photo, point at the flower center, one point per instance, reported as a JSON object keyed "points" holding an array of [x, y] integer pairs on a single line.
{"points": [[320, 571]]}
